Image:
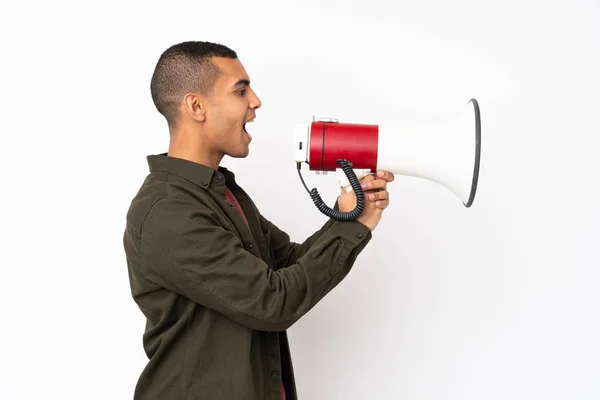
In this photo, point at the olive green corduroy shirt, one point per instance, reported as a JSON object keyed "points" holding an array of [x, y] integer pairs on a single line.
{"points": [[218, 294]]}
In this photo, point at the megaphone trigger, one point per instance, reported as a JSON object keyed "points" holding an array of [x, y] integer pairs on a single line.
{"points": [[343, 181], [346, 167]]}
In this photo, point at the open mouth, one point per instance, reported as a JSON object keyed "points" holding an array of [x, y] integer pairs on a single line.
{"points": [[245, 130]]}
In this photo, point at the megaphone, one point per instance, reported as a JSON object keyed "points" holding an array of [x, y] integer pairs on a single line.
{"points": [[447, 153]]}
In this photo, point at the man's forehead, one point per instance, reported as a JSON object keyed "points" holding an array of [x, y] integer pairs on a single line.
{"points": [[233, 72]]}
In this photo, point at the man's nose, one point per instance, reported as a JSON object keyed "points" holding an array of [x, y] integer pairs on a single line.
{"points": [[256, 103]]}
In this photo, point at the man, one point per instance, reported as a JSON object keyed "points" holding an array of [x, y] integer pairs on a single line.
{"points": [[219, 283]]}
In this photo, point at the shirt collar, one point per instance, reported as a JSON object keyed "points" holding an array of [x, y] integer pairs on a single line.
{"points": [[198, 174]]}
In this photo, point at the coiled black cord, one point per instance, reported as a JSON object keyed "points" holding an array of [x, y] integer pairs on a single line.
{"points": [[346, 166]]}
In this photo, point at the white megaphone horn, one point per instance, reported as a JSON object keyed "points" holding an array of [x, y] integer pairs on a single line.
{"points": [[447, 153]]}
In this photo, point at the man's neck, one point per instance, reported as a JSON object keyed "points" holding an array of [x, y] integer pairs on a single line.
{"points": [[183, 147]]}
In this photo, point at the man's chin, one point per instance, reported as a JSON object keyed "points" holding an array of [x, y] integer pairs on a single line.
{"points": [[240, 154]]}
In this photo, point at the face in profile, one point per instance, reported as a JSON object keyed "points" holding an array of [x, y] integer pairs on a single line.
{"points": [[229, 107]]}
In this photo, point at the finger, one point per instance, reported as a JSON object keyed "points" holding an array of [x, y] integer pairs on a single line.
{"points": [[382, 204], [386, 175], [368, 178], [376, 184], [383, 195]]}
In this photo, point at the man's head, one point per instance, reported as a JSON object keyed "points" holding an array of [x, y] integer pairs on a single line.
{"points": [[203, 91]]}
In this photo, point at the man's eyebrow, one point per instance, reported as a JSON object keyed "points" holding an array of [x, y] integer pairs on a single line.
{"points": [[242, 82]]}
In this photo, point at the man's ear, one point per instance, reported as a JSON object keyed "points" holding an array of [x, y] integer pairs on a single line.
{"points": [[194, 106]]}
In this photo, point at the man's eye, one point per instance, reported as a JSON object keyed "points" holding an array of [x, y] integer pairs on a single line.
{"points": [[242, 92]]}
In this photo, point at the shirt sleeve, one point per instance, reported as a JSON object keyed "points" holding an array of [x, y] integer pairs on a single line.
{"points": [[285, 251], [185, 249]]}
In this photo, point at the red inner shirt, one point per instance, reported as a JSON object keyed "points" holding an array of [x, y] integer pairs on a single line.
{"points": [[233, 200]]}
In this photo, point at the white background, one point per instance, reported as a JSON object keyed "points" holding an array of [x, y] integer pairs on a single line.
{"points": [[498, 301]]}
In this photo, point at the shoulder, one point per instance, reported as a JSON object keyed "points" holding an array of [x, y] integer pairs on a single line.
{"points": [[165, 201]]}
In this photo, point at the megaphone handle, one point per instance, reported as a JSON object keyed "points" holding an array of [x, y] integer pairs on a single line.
{"points": [[346, 166], [343, 181]]}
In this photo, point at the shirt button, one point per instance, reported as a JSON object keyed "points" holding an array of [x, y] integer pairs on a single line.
{"points": [[230, 204], [274, 374], [359, 235], [249, 245], [219, 177]]}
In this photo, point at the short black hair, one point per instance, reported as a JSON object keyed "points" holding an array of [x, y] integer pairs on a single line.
{"points": [[185, 68]]}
